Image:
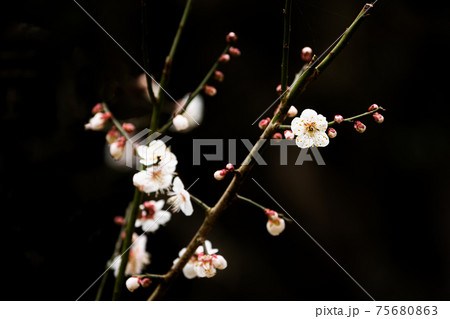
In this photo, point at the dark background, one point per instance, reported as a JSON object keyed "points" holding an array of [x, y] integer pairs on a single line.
{"points": [[380, 206]]}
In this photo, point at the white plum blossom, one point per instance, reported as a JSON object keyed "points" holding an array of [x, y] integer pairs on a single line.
{"points": [[189, 269], [153, 154], [207, 264], [151, 215], [138, 258], [310, 129], [117, 148], [275, 225], [161, 165], [179, 198], [193, 113], [97, 122], [132, 283], [180, 122]]}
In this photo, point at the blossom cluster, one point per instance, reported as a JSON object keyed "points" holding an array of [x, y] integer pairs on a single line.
{"points": [[204, 262]]}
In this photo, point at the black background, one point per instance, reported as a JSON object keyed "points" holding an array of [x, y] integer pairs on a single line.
{"points": [[380, 206]]}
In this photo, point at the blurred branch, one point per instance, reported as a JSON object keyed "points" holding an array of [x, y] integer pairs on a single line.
{"points": [[146, 49]]}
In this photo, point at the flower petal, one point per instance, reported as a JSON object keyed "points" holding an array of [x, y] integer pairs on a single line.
{"points": [[297, 126], [321, 139], [321, 122], [308, 114], [304, 141], [162, 217]]}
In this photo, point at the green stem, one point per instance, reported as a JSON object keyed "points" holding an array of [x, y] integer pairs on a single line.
{"points": [[199, 88], [98, 297], [127, 242], [248, 200], [165, 77], [200, 203], [146, 49], [152, 276], [311, 73], [117, 124], [286, 43], [348, 119], [168, 66]]}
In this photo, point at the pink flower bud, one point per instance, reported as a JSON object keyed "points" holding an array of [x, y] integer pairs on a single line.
{"points": [[264, 123], [218, 76], [97, 122], [231, 37], [373, 107], [97, 108], [132, 283], [378, 117], [277, 136], [359, 127], [332, 132], [128, 127], [234, 51], [224, 58], [230, 167], [112, 135], [292, 112], [119, 220], [117, 149], [220, 174], [145, 282], [278, 89], [289, 135], [210, 90], [306, 54], [338, 118], [106, 116]]}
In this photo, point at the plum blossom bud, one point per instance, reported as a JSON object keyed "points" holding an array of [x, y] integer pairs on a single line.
{"points": [[359, 127], [289, 135], [97, 122], [145, 282], [210, 90], [275, 225], [117, 148], [112, 135], [224, 58], [119, 220], [132, 283], [128, 127], [378, 117], [218, 76], [332, 132], [229, 167], [373, 107], [338, 118], [277, 136], [278, 89], [231, 37], [220, 174], [263, 123], [234, 51], [97, 108], [219, 262], [306, 54], [292, 112], [180, 122]]}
